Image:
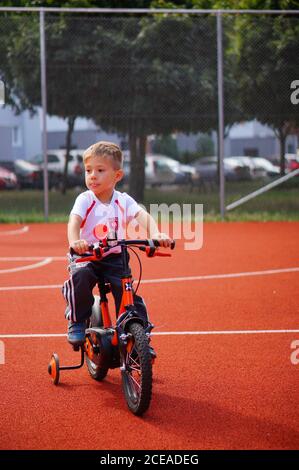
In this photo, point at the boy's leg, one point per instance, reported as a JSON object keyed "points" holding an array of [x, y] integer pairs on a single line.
{"points": [[77, 292]]}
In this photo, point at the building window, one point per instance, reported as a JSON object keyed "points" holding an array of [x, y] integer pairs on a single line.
{"points": [[291, 148], [16, 137], [251, 152]]}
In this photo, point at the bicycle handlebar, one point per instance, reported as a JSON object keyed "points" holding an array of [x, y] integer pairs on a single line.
{"points": [[146, 242], [149, 246]]}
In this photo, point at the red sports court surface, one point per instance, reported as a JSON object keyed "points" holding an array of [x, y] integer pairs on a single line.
{"points": [[225, 316]]}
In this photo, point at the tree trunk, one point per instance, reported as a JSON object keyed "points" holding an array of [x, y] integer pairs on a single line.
{"points": [[68, 146], [282, 133], [137, 166]]}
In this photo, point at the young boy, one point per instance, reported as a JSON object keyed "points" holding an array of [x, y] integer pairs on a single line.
{"points": [[101, 210]]}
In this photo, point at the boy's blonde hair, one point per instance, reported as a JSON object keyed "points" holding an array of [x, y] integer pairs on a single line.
{"points": [[106, 150]]}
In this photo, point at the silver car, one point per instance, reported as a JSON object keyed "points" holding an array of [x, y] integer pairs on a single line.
{"points": [[162, 170]]}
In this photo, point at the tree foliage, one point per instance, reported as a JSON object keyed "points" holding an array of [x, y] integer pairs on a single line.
{"points": [[154, 74], [267, 68]]}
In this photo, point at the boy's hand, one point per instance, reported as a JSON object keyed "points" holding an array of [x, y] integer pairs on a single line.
{"points": [[163, 238], [79, 246]]}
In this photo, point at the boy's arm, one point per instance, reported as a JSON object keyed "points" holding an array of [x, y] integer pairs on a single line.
{"points": [[148, 223], [73, 233]]}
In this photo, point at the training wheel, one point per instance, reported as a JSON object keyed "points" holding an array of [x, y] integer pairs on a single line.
{"points": [[53, 368]]}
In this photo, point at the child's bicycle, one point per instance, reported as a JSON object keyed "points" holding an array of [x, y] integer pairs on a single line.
{"points": [[124, 345]]}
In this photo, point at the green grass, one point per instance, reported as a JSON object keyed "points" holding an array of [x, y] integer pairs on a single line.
{"points": [[281, 203]]}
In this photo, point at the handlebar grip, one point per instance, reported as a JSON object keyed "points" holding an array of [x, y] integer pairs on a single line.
{"points": [[157, 243], [73, 252]]}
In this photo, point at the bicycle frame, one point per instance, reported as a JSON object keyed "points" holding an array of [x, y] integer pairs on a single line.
{"points": [[127, 308]]}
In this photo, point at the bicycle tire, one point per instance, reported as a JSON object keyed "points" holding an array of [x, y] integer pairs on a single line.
{"points": [[96, 369], [137, 376]]}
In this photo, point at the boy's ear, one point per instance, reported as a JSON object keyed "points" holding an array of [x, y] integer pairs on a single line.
{"points": [[119, 175]]}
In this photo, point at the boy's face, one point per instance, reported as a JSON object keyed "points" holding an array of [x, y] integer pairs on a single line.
{"points": [[101, 177]]}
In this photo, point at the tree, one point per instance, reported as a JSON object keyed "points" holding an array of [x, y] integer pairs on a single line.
{"points": [[166, 145], [268, 62], [67, 92], [265, 54], [156, 78], [263, 51]]}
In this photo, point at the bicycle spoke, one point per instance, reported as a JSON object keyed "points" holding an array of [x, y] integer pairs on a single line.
{"points": [[135, 383]]}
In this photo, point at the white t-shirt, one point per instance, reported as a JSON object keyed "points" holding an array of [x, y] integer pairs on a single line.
{"points": [[98, 219]]}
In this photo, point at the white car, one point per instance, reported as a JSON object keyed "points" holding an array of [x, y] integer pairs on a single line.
{"points": [[238, 168], [56, 162], [271, 170], [260, 168], [160, 169]]}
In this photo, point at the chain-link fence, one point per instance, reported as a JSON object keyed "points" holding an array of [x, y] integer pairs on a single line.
{"points": [[152, 82]]}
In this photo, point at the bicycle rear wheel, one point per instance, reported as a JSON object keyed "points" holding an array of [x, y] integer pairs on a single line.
{"points": [[137, 374]]}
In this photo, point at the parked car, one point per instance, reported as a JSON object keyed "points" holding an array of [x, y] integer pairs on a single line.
{"points": [[29, 175], [248, 168], [160, 169], [292, 161], [271, 170], [207, 168], [260, 168], [238, 168], [235, 169], [56, 162], [8, 179]]}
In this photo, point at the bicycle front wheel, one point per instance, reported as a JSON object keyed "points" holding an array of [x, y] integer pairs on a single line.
{"points": [[97, 365], [137, 371]]}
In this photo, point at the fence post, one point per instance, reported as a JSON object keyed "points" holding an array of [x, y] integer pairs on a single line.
{"points": [[2, 93], [220, 114], [44, 110]]}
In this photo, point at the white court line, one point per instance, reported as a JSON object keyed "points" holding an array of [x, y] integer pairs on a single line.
{"points": [[165, 333], [222, 276], [15, 232], [173, 279], [50, 286], [25, 268], [31, 258]]}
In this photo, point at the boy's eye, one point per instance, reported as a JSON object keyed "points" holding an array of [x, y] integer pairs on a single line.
{"points": [[100, 170]]}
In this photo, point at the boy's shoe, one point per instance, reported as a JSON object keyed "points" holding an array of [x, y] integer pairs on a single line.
{"points": [[76, 333]]}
